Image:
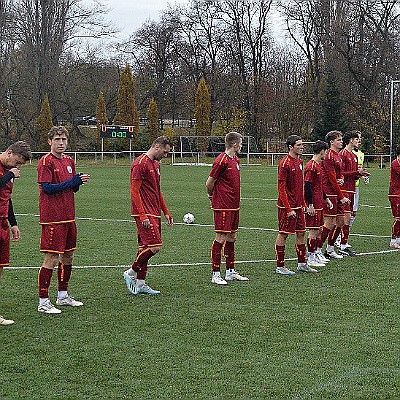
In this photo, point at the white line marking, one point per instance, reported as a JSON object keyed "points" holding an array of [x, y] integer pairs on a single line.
{"points": [[245, 228], [199, 263]]}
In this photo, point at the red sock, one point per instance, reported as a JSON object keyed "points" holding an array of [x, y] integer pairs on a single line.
{"points": [[345, 234], [64, 274], [333, 235], [312, 245], [140, 264], [301, 253], [324, 235], [280, 256], [396, 229], [44, 279], [229, 253], [216, 255]]}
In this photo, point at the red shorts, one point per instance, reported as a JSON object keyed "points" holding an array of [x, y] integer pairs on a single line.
{"points": [[291, 225], [149, 236], [395, 205], [348, 208], [316, 221], [58, 238], [337, 209], [226, 221], [4, 243]]}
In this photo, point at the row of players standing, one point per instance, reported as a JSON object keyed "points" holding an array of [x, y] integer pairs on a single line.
{"points": [[58, 182], [323, 205]]}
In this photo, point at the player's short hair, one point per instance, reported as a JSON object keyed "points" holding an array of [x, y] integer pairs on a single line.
{"points": [[350, 135], [319, 145], [291, 140], [232, 138], [398, 150], [331, 136], [22, 149], [161, 140], [57, 130]]}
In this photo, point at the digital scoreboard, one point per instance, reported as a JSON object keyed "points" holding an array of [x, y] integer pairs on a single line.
{"points": [[117, 132]]}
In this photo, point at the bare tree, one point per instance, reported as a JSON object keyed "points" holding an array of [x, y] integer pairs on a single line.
{"points": [[45, 29]]}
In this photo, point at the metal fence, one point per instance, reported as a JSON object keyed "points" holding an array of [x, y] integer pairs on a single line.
{"points": [[196, 158]]}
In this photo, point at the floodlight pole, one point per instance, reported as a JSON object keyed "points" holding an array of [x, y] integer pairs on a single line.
{"points": [[391, 117]]}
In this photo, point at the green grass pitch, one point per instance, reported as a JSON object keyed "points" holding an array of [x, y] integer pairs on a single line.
{"points": [[331, 335]]}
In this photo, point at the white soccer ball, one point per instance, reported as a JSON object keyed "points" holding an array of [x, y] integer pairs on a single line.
{"points": [[188, 218]]}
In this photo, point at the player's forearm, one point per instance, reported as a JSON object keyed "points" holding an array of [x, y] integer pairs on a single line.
{"points": [[53, 188], [136, 199], [6, 178], [283, 196], [164, 207], [11, 216], [336, 187], [308, 193]]}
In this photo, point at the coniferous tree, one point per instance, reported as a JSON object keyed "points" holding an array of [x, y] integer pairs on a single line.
{"points": [[127, 112], [331, 109], [44, 123], [152, 119], [202, 113]]}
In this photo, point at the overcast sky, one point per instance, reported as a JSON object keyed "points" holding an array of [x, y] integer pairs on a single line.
{"points": [[131, 14]]}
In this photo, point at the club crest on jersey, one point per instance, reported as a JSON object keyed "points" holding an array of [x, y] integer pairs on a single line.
{"points": [[69, 169], [158, 171], [237, 166]]}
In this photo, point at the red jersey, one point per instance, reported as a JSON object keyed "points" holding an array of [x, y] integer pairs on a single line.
{"points": [[226, 193], [290, 183], [394, 186], [5, 193], [148, 172], [58, 207], [349, 170], [331, 172], [313, 174]]}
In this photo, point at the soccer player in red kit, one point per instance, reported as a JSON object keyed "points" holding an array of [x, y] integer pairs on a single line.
{"points": [[351, 173], [147, 204], [223, 188], [332, 180], [394, 198], [291, 206], [58, 183], [315, 200], [10, 162]]}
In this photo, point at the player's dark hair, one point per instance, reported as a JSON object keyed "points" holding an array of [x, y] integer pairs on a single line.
{"points": [[291, 140], [232, 138], [350, 135], [398, 150], [58, 130], [331, 136], [162, 140], [22, 149], [319, 145]]}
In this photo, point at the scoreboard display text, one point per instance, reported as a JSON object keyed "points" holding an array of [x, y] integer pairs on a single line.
{"points": [[117, 132]]}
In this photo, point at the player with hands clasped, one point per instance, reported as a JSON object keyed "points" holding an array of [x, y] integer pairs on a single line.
{"points": [[332, 180], [223, 189], [147, 204], [10, 162], [58, 183], [315, 199], [291, 206]]}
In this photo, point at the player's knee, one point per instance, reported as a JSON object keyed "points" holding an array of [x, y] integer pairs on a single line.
{"points": [[155, 249], [67, 258]]}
